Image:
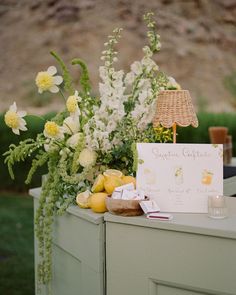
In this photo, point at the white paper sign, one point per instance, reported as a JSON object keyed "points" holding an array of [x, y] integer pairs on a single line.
{"points": [[180, 177]]}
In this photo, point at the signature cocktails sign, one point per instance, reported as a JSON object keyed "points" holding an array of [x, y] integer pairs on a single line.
{"points": [[180, 177]]}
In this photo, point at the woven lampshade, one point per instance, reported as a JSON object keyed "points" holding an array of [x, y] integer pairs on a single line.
{"points": [[175, 107]]}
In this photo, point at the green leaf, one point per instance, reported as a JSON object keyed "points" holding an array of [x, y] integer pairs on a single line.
{"points": [[84, 79], [66, 75]]}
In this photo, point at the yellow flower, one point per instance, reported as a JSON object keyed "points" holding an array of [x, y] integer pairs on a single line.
{"points": [[52, 130], [47, 81], [72, 104], [14, 119], [87, 157]]}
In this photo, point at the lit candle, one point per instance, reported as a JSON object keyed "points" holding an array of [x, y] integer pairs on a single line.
{"points": [[217, 202]]}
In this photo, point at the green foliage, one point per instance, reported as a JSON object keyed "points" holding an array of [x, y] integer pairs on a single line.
{"points": [[44, 219], [59, 117], [154, 39], [7, 137], [202, 103], [39, 160], [66, 75], [206, 120], [20, 152], [84, 78], [230, 85], [75, 165], [135, 156], [87, 103]]}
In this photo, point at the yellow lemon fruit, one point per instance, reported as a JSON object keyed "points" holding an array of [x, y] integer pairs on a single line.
{"points": [[98, 185], [82, 199], [112, 172], [111, 183], [129, 179], [98, 203]]}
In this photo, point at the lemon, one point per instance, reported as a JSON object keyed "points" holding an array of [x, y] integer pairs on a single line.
{"points": [[98, 185], [82, 199], [112, 172], [97, 202], [111, 183], [129, 179]]}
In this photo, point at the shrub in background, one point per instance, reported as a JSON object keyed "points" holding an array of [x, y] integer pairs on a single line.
{"points": [[206, 120], [230, 85], [185, 135]]}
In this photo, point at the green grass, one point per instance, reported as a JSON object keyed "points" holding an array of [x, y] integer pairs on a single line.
{"points": [[16, 245]]}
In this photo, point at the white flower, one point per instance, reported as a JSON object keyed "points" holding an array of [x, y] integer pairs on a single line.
{"points": [[136, 67], [74, 140], [14, 119], [47, 81], [53, 131], [71, 125], [103, 73], [87, 157], [149, 64], [145, 84], [173, 84], [129, 79], [147, 51], [142, 96], [72, 104]]}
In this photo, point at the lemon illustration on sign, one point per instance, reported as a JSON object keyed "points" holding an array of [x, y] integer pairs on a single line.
{"points": [[98, 202], [129, 179], [111, 183], [98, 185], [82, 199], [112, 172]]}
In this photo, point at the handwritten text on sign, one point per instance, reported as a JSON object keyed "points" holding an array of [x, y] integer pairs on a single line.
{"points": [[180, 177]]}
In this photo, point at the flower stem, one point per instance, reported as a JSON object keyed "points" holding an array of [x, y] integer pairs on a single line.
{"points": [[62, 94]]}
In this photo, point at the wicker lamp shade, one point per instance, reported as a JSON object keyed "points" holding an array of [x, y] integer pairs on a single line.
{"points": [[174, 107]]}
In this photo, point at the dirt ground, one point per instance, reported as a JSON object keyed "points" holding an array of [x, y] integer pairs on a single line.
{"points": [[198, 44]]}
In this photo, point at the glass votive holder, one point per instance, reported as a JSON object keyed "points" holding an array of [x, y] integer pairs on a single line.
{"points": [[217, 207]]}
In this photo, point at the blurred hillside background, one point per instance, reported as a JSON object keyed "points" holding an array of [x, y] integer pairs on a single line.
{"points": [[198, 49], [198, 45]]}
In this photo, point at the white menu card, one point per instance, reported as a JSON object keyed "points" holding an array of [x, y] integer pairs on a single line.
{"points": [[180, 177]]}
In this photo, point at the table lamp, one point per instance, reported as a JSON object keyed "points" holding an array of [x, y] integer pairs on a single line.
{"points": [[174, 107]]}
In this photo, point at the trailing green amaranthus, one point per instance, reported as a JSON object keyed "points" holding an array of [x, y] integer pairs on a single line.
{"points": [[91, 133]]}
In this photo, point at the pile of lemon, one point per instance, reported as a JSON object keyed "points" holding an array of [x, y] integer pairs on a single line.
{"points": [[103, 187]]}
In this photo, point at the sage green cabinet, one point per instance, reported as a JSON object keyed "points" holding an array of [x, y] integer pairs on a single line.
{"points": [[78, 252], [189, 255]]}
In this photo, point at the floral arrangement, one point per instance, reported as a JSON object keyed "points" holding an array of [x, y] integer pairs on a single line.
{"points": [[92, 134]]}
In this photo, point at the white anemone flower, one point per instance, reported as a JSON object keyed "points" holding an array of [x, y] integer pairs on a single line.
{"points": [[53, 131], [71, 125], [74, 140], [47, 81], [14, 119], [72, 104]]}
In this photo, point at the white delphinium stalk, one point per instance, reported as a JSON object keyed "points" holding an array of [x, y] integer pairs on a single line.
{"points": [[101, 128], [144, 91], [143, 80]]}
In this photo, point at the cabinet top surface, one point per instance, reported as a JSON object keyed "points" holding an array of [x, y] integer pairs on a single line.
{"points": [[185, 222], [86, 214]]}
